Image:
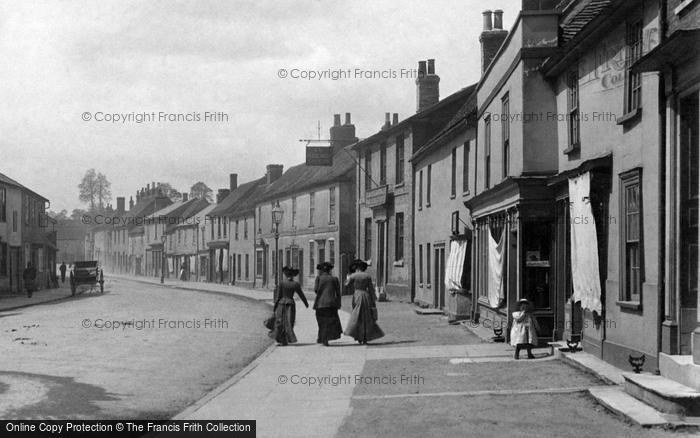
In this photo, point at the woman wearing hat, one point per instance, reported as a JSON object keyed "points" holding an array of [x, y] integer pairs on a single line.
{"points": [[327, 303], [524, 330], [285, 309], [363, 321]]}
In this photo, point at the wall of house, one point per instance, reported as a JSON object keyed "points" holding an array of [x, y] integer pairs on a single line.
{"points": [[434, 224], [12, 237], [633, 145], [241, 246]]}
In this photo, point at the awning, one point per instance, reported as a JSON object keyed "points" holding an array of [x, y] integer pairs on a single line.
{"points": [[680, 47], [455, 265]]}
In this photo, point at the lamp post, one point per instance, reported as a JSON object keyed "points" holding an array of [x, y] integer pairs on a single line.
{"points": [[277, 213], [163, 238]]}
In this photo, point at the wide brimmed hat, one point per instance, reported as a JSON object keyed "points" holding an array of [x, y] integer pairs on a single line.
{"points": [[290, 272], [325, 266], [360, 264], [524, 301]]}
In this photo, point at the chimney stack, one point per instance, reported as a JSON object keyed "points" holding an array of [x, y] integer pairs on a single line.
{"points": [[131, 203], [387, 121], [185, 197], [396, 119], [274, 171], [491, 37], [336, 119], [427, 85], [344, 135], [120, 204], [233, 181]]}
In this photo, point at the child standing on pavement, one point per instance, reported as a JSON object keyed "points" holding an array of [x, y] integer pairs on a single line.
{"points": [[523, 334]]}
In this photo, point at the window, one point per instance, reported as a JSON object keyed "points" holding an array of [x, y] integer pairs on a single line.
{"points": [[465, 168], [260, 220], [245, 229], [399, 159], [427, 185], [179, 236], [427, 263], [25, 202], [321, 251], [3, 204], [194, 236], [294, 211], [368, 170], [225, 227], [368, 238], [211, 229], [312, 208], [505, 133], [331, 251], [453, 182], [420, 264], [573, 120], [312, 263], [487, 152], [631, 199], [247, 266], [331, 205], [3, 259], [238, 266], [382, 164], [272, 226], [259, 263], [633, 81], [420, 190], [14, 221], [398, 255], [236, 230]]}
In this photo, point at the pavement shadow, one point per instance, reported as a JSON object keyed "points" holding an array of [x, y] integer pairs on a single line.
{"points": [[407, 341]]}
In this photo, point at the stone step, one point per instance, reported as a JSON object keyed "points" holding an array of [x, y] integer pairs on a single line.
{"points": [[428, 311], [664, 394], [623, 404]]}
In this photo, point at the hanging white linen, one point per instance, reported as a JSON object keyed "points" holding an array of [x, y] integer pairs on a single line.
{"points": [[496, 259], [455, 265], [584, 245]]}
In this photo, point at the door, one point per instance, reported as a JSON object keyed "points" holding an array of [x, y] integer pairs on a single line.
{"points": [[439, 292], [14, 270], [381, 253]]}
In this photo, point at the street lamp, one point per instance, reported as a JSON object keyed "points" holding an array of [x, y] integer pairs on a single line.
{"points": [[277, 213], [163, 238]]}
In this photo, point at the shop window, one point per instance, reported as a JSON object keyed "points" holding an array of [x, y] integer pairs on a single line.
{"points": [[537, 271], [631, 199]]}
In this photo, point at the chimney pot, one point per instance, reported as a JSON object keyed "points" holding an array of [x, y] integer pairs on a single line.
{"points": [[274, 171], [347, 119], [431, 66], [184, 197], [336, 119], [498, 19], [396, 119], [487, 20], [233, 181], [421, 68]]}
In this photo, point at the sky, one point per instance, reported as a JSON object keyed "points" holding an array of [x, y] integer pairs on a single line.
{"points": [[77, 76]]}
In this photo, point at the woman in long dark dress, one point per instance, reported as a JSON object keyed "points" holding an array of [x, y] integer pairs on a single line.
{"points": [[363, 321], [285, 309], [327, 303]]}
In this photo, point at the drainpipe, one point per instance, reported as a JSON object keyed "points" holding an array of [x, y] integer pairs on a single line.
{"points": [[661, 298]]}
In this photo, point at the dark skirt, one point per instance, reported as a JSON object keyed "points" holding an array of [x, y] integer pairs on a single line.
{"points": [[362, 326], [285, 314], [329, 327]]}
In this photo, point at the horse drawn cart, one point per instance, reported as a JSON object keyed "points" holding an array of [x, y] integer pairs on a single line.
{"points": [[86, 276]]}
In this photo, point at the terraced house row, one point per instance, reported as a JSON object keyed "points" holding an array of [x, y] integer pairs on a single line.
{"points": [[566, 174]]}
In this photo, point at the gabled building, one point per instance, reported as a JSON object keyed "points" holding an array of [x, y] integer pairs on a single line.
{"points": [[442, 228], [319, 213], [156, 227], [181, 245], [386, 189], [12, 261]]}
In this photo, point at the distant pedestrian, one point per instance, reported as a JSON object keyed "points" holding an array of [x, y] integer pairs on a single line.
{"points": [[363, 321], [285, 309], [523, 334], [29, 277], [62, 268], [183, 271], [327, 303]]}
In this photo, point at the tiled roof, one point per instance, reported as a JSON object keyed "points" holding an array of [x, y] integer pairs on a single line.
{"points": [[11, 182], [228, 204], [582, 14], [185, 212], [462, 115], [302, 177], [248, 204]]}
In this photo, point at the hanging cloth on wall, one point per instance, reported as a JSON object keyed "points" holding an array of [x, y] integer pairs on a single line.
{"points": [[455, 265], [495, 278], [584, 245]]}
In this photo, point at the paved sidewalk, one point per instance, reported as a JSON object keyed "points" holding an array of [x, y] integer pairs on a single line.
{"points": [[11, 302]]}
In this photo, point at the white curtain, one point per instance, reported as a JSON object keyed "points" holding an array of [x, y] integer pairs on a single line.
{"points": [[584, 245], [455, 265], [496, 259]]}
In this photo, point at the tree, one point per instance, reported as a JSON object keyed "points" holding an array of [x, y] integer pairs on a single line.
{"points": [[94, 190], [77, 214], [60, 216], [170, 192], [202, 191]]}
